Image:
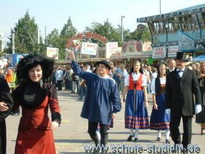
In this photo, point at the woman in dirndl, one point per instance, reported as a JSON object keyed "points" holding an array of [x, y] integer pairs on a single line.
{"points": [[160, 119], [136, 115], [200, 118]]}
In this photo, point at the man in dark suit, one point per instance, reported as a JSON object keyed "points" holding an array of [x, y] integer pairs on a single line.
{"points": [[181, 88]]}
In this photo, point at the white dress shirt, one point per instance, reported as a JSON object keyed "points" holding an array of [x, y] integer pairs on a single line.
{"points": [[180, 72], [135, 77], [162, 81]]}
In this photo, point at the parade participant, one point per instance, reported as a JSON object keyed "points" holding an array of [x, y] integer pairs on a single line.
{"points": [[102, 100], [160, 119], [136, 115], [11, 80], [35, 96], [181, 87], [6, 103], [200, 118]]}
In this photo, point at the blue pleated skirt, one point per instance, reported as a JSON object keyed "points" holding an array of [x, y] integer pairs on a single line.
{"points": [[136, 115], [159, 119]]}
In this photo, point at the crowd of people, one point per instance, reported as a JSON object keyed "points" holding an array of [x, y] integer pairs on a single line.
{"points": [[177, 87], [175, 93]]}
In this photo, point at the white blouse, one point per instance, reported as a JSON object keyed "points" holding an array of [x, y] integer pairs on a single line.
{"points": [[162, 81], [135, 77]]}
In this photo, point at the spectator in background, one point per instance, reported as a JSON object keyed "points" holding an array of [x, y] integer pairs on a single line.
{"points": [[171, 65], [52, 78], [68, 78], [75, 83], [112, 66], [11, 80], [116, 77], [59, 78], [2, 73], [122, 73], [147, 72], [87, 68], [82, 86], [200, 118], [196, 68]]}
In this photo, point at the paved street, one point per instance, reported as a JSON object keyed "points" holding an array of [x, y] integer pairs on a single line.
{"points": [[72, 136]]}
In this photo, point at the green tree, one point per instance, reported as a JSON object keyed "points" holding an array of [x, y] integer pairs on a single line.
{"points": [[106, 29], [26, 36], [126, 34], [59, 40], [67, 32], [143, 35], [53, 40]]}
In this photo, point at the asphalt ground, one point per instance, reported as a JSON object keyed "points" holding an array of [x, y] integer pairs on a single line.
{"points": [[72, 137]]}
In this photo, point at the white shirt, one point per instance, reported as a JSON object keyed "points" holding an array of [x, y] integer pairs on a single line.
{"points": [[135, 78], [171, 69], [59, 75], [162, 81], [180, 72]]}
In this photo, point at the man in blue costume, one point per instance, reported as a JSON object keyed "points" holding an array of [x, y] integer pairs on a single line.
{"points": [[102, 100]]}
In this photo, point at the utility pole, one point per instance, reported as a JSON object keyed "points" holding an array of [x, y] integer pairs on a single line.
{"points": [[122, 28], [13, 41], [38, 37], [160, 7], [45, 35]]}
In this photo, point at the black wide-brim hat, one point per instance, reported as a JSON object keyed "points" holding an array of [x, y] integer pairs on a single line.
{"points": [[27, 63], [105, 62], [182, 56]]}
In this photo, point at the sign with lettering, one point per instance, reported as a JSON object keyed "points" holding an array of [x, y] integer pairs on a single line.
{"points": [[52, 52], [111, 48], [172, 50], [89, 48], [159, 52]]}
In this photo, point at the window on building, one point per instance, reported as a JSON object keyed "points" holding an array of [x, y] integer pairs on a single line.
{"points": [[194, 22], [201, 17]]}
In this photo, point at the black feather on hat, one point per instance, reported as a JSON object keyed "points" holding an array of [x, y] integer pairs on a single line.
{"points": [[30, 61]]}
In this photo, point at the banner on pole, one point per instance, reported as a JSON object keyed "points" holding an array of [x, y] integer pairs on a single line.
{"points": [[89, 48]]}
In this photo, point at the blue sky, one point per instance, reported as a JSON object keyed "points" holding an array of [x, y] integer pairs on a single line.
{"points": [[55, 13]]}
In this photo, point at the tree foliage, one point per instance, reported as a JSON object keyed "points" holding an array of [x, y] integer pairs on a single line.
{"points": [[52, 40], [26, 36], [67, 32], [106, 29], [115, 34], [143, 35], [59, 40]]}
